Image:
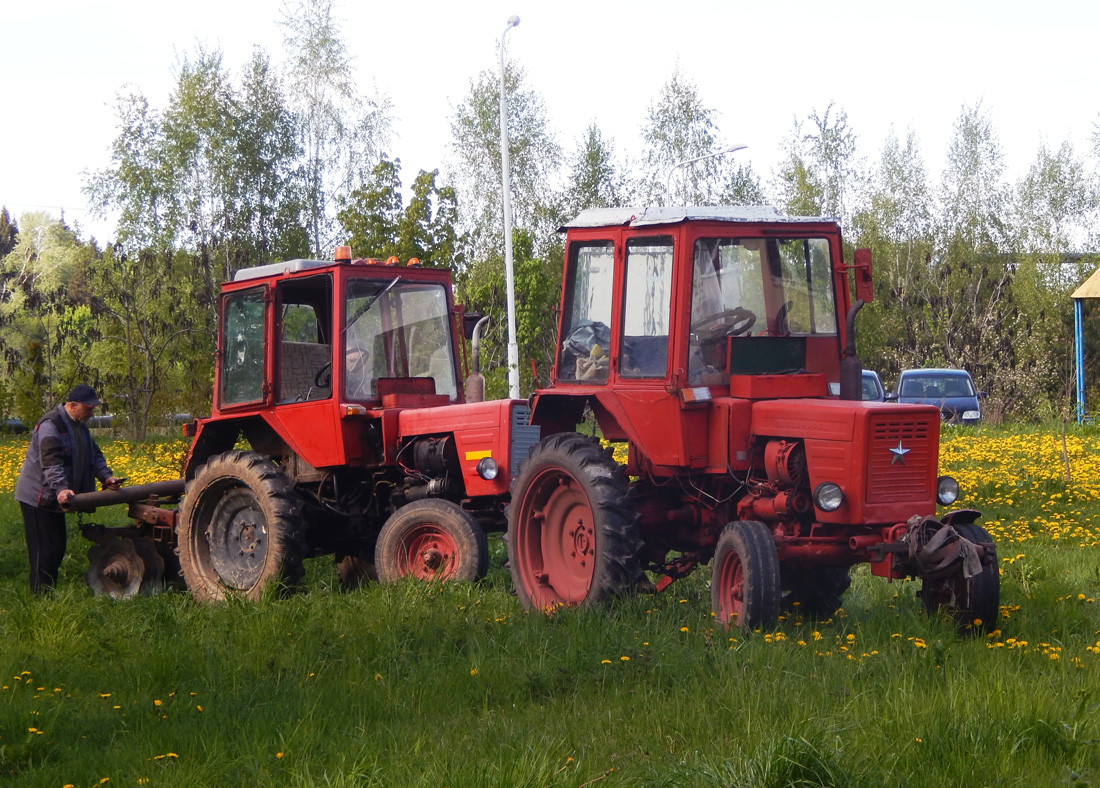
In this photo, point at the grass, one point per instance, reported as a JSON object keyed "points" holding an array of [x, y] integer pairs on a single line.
{"points": [[456, 686]]}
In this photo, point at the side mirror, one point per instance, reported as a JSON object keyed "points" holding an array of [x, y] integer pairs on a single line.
{"points": [[864, 284], [891, 396]]}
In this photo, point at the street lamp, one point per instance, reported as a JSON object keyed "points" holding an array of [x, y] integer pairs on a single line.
{"points": [[506, 190], [677, 165]]}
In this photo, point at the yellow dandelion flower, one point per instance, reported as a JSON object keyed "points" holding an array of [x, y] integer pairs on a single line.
{"points": [[625, 658]]}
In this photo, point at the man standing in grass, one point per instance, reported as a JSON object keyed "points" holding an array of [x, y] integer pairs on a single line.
{"points": [[62, 460]]}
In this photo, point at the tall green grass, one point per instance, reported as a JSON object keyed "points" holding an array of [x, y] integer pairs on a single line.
{"points": [[455, 686]]}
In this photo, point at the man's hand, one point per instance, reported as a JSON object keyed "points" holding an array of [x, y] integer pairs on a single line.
{"points": [[64, 496], [112, 482]]}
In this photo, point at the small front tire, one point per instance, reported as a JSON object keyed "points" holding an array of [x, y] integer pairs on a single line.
{"points": [[745, 588], [431, 539]]}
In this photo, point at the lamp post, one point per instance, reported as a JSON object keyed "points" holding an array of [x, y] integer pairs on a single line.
{"points": [[677, 165], [506, 192]]}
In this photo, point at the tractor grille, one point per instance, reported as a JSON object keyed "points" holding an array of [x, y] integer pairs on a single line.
{"points": [[901, 459], [524, 436]]}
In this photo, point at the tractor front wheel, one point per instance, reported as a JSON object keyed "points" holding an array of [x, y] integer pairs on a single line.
{"points": [[974, 602], [240, 529], [744, 586], [431, 539], [572, 529]]}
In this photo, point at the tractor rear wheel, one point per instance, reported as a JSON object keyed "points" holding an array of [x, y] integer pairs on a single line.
{"points": [[744, 586], [974, 602], [431, 539], [572, 528], [355, 569], [240, 529], [815, 591]]}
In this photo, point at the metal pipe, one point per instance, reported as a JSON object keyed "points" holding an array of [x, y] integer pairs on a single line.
{"points": [[88, 502], [506, 189]]}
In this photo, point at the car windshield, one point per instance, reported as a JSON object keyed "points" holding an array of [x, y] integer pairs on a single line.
{"points": [[936, 386]]}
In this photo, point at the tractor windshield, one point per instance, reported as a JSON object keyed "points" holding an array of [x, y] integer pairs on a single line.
{"points": [[758, 287], [397, 329]]}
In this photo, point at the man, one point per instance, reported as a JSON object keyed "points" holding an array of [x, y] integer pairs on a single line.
{"points": [[62, 460]]}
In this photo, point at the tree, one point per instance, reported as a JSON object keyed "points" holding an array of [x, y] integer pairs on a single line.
{"points": [[43, 319], [153, 334], [534, 158], [594, 181], [9, 232], [341, 132], [818, 174], [679, 127], [378, 223]]}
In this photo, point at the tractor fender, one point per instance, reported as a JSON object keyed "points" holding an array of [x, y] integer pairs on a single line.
{"points": [[960, 517]]}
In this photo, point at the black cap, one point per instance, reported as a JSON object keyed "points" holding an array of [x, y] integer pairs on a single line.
{"points": [[85, 395]]}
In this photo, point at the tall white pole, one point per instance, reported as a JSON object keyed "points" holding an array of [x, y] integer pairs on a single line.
{"points": [[506, 190]]}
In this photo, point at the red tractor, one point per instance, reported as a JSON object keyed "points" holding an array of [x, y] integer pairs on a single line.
{"points": [[338, 426], [718, 345]]}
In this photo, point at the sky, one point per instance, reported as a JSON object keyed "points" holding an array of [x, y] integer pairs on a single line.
{"points": [[759, 65]]}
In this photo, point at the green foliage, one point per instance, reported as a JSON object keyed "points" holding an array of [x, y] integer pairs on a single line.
{"points": [[9, 232], [340, 131], [534, 158], [378, 224]]}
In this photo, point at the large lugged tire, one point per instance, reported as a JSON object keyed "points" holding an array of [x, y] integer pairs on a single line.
{"points": [[572, 529], [744, 586], [974, 603], [240, 529], [815, 591], [431, 539]]}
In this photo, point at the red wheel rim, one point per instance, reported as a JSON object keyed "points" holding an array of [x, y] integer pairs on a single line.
{"points": [[556, 540], [731, 589], [427, 552]]}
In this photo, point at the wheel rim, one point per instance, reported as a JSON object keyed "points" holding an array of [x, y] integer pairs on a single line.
{"points": [[731, 589], [238, 551], [556, 540], [427, 552]]}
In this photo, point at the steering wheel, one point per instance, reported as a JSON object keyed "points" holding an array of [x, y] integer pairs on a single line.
{"points": [[735, 321], [323, 378]]}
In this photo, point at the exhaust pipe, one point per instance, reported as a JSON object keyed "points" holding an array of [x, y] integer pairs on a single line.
{"points": [[475, 383], [851, 368]]}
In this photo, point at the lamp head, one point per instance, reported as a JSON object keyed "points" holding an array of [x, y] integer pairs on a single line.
{"points": [[513, 21]]}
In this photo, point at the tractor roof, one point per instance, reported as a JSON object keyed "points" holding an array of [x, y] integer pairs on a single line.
{"points": [[640, 217], [272, 269]]}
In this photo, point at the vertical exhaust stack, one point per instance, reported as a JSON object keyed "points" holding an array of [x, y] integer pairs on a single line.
{"points": [[475, 383], [851, 368]]}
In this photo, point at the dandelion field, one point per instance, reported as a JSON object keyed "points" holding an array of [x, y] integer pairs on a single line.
{"points": [[456, 686]]}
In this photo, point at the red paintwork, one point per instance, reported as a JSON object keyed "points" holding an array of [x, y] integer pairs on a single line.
{"points": [[427, 552], [481, 429]]}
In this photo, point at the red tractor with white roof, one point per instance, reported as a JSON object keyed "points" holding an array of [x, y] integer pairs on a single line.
{"points": [[338, 426], [718, 345]]}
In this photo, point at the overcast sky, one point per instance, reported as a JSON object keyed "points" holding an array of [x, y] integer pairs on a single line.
{"points": [[758, 64]]}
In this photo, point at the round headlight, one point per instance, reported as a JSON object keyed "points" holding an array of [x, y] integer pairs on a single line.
{"points": [[947, 490], [828, 496], [487, 468]]}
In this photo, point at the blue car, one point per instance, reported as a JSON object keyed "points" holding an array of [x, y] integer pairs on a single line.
{"points": [[872, 387], [950, 390]]}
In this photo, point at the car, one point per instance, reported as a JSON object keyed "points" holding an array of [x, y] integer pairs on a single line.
{"points": [[872, 387], [951, 390], [12, 425]]}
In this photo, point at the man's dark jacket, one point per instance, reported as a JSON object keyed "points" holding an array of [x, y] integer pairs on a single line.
{"points": [[49, 469]]}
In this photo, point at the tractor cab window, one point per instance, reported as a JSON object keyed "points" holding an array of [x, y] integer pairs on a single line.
{"points": [[647, 299], [305, 339], [586, 325], [242, 349], [757, 287], [396, 329]]}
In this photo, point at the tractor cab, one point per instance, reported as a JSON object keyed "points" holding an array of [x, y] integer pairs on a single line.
{"points": [[311, 347], [664, 309]]}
